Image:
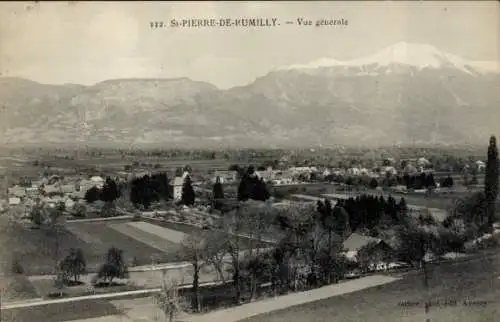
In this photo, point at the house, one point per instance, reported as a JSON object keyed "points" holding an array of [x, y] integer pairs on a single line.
{"points": [[14, 201], [52, 189], [480, 166], [177, 186], [266, 175], [17, 191], [382, 251], [32, 191], [69, 204], [67, 188]]}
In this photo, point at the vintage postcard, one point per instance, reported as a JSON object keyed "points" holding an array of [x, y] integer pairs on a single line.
{"points": [[249, 161]]}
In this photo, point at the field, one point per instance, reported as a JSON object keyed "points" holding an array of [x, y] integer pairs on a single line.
{"points": [[17, 288], [61, 312], [459, 292], [35, 248]]}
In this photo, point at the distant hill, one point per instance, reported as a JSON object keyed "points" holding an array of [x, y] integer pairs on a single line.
{"points": [[406, 93]]}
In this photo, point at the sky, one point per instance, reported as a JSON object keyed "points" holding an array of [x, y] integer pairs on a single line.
{"points": [[88, 42]]}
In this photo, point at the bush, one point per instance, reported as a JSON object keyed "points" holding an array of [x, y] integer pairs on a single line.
{"points": [[17, 268], [373, 183], [55, 295]]}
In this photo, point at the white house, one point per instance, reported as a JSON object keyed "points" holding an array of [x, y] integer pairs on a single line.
{"points": [[17, 192], [13, 201], [480, 165], [69, 204], [177, 185]]}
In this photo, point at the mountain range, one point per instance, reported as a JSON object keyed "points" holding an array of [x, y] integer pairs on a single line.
{"points": [[403, 94]]}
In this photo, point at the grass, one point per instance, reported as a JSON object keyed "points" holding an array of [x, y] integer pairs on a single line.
{"points": [[61, 312], [134, 250], [188, 229], [17, 288], [35, 249], [158, 242]]}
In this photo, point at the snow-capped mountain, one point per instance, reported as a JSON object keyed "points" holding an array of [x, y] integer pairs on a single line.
{"points": [[419, 56], [406, 93]]}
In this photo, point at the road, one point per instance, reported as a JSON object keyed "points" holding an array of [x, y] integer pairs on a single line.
{"points": [[458, 292]]}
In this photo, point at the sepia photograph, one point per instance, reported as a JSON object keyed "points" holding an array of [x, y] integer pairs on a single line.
{"points": [[253, 161]]}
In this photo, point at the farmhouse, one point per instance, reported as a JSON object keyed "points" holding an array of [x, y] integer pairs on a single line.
{"points": [[356, 241]]}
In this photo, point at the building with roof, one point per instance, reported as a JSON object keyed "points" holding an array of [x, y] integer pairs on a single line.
{"points": [[356, 241], [17, 191], [177, 187], [14, 201]]}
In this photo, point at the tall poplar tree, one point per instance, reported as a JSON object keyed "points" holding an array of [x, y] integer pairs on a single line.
{"points": [[491, 179], [188, 194]]}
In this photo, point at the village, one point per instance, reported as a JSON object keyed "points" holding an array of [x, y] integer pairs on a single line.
{"points": [[288, 186]]}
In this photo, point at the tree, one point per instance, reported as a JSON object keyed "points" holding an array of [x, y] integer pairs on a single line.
{"points": [[429, 181], [93, 194], [114, 267], [37, 216], [491, 179], [79, 210], [215, 251], [413, 246], [474, 180], [248, 219], [109, 191], [326, 219], [168, 299], [368, 256], [55, 216], [245, 187], [187, 192], [73, 265], [218, 190], [193, 250], [259, 190]]}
